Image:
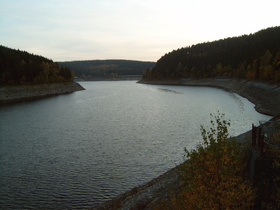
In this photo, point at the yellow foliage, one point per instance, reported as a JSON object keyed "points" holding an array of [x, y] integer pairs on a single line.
{"points": [[214, 172]]}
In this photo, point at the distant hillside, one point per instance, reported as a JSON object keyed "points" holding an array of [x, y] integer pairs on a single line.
{"points": [[254, 56], [20, 67], [107, 68]]}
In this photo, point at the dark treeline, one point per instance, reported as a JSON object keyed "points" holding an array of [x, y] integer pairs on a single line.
{"points": [[107, 68], [255, 56], [20, 67]]}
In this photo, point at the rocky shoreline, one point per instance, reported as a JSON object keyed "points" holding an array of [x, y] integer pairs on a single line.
{"points": [[12, 94], [146, 196], [158, 189], [265, 96]]}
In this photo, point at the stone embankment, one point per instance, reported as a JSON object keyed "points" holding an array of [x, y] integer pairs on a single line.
{"points": [[11, 94], [265, 96], [146, 196]]}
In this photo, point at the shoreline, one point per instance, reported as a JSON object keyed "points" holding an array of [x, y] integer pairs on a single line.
{"points": [[14, 94], [145, 195], [265, 96], [161, 188], [119, 78]]}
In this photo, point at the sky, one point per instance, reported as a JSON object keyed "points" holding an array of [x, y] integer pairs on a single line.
{"points": [[68, 30]]}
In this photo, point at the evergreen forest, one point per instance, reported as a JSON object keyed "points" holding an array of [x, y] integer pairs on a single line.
{"points": [[255, 57], [107, 68], [20, 67]]}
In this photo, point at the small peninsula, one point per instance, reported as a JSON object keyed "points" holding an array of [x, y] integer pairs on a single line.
{"points": [[25, 76]]}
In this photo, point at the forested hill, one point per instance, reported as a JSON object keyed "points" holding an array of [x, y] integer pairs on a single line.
{"points": [[254, 56], [20, 67], [107, 68]]}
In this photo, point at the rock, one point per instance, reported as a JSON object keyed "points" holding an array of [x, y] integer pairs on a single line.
{"points": [[12, 94]]}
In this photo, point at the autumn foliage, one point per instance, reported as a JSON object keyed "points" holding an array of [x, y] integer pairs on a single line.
{"points": [[213, 174], [255, 57]]}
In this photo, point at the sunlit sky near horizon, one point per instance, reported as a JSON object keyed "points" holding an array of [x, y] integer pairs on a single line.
{"points": [[64, 30]]}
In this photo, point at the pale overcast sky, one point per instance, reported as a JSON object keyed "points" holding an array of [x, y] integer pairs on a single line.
{"points": [[64, 30]]}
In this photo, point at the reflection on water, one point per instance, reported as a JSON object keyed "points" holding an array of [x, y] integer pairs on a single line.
{"points": [[81, 149], [168, 90]]}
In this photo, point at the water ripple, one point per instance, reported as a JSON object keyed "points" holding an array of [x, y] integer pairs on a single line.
{"points": [[79, 150]]}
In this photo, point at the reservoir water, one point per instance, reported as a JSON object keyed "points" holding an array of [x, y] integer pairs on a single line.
{"points": [[81, 149]]}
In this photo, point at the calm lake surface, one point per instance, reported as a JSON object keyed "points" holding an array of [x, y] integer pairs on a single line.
{"points": [[81, 149]]}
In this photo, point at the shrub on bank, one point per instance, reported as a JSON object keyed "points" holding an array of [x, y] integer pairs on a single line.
{"points": [[213, 178]]}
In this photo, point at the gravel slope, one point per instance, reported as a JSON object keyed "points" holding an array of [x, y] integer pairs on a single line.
{"points": [[11, 94]]}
